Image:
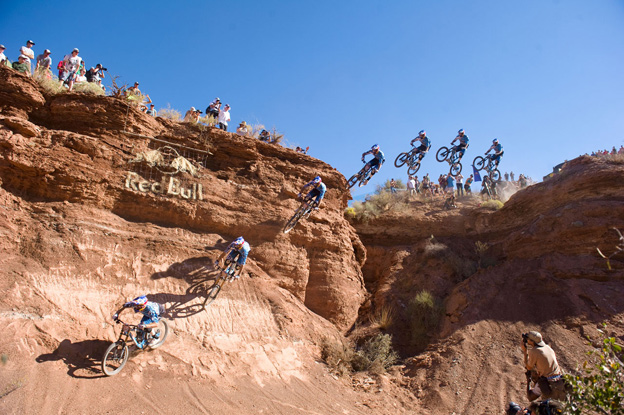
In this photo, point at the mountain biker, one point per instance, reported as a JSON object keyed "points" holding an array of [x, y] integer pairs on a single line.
{"points": [[425, 144], [237, 251], [463, 144], [318, 191], [375, 163], [498, 151], [151, 315]]}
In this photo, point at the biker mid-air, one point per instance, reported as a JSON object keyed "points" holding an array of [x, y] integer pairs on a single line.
{"points": [[425, 144], [237, 251], [309, 202], [415, 155], [463, 143], [498, 152], [369, 170], [490, 162], [454, 154]]}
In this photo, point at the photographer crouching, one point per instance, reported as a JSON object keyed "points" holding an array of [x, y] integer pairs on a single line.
{"points": [[542, 368]]}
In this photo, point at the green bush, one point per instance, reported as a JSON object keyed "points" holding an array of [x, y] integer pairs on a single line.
{"points": [[424, 312], [598, 388], [492, 204]]}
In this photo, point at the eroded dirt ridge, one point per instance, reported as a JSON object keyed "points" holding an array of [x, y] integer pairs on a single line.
{"points": [[100, 202]]}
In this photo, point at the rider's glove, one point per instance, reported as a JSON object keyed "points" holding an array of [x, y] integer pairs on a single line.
{"points": [[362, 159], [141, 326], [128, 304]]}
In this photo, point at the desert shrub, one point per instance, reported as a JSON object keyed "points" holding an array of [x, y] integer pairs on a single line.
{"points": [[383, 317], [170, 114], [492, 204], [375, 355], [349, 213], [90, 88], [598, 387], [461, 265], [337, 355], [424, 313]]}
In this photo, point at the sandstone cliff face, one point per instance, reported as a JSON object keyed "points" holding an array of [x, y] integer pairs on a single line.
{"points": [[81, 150]]}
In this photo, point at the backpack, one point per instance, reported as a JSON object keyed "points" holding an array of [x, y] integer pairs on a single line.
{"points": [[61, 65]]}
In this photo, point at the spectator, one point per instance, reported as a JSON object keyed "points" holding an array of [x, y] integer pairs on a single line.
{"points": [[469, 181], [459, 184], [71, 63], [191, 115], [133, 90], [224, 117], [450, 183], [22, 65], [213, 110], [392, 186], [416, 184], [242, 129], [2, 56], [96, 74], [511, 176], [151, 111], [506, 176], [44, 64], [28, 52], [264, 136], [541, 359], [411, 186], [81, 77]]}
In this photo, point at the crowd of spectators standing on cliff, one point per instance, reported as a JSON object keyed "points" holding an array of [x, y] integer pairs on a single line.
{"points": [[72, 71], [613, 151]]}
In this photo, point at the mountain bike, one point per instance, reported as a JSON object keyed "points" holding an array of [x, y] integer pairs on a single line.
{"points": [[116, 355], [303, 212], [489, 189], [452, 157], [361, 176], [412, 158], [479, 163], [226, 275]]}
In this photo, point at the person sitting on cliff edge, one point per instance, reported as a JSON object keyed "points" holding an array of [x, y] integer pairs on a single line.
{"points": [[317, 192], [237, 251]]}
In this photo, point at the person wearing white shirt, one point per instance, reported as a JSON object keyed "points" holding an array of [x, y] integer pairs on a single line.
{"points": [[411, 186], [28, 52], [224, 117], [2, 56], [72, 63]]}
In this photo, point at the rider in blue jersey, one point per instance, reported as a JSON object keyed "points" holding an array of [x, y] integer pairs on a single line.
{"points": [[425, 144], [318, 191], [463, 143], [237, 251], [498, 151], [375, 163], [151, 315]]}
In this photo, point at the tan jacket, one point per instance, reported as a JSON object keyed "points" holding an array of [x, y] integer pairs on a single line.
{"points": [[543, 359]]}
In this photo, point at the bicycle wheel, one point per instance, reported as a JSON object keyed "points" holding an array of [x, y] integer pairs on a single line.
{"points": [[478, 163], [213, 292], [352, 181], [292, 222], [159, 334], [401, 160], [442, 154], [456, 169], [413, 168], [495, 175], [115, 358]]}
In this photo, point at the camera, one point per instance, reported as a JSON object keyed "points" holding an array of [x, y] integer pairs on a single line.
{"points": [[525, 337], [104, 69]]}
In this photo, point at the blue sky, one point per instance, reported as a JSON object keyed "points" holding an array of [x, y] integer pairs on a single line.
{"points": [[543, 76]]}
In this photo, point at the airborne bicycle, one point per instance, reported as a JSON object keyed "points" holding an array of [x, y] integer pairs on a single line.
{"points": [[487, 163], [450, 155], [116, 355], [361, 176], [412, 158]]}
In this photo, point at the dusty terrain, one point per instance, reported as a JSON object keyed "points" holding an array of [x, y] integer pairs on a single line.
{"points": [[87, 223]]}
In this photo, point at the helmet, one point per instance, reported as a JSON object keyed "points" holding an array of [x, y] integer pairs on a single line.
{"points": [[375, 148], [461, 131], [238, 242], [316, 180], [495, 141], [139, 303], [422, 133]]}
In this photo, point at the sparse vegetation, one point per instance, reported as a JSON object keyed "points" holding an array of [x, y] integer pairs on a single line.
{"points": [[619, 248], [381, 201], [376, 355], [480, 249], [383, 317], [424, 313], [53, 86], [170, 113], [492, 204], [598, 387], [90, 88], [462, 266]]}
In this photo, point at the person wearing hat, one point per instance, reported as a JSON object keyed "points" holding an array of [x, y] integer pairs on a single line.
{"points": [[540, 359], [134, 89], [28, 52], [44, 63], [151, 111], [22, 65], [71, 64], [242, 129], [2, 56], [213, 109], [224, 117]]}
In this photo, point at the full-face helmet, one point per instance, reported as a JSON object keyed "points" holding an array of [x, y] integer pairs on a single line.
{"points": [[316, 180], [375, 148], [495, 141], [422, 133], [139, 303], [238, 242], [461, 132]]}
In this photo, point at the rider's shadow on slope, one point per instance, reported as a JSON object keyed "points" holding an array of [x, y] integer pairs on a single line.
{"points": [[83, 357], [199, 274]]}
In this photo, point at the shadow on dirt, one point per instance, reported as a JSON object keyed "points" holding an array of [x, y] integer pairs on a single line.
{"points": [[199, 274], [82, 358]]}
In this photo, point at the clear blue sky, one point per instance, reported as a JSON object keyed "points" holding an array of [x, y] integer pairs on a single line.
{"points": [[543, 76]]}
